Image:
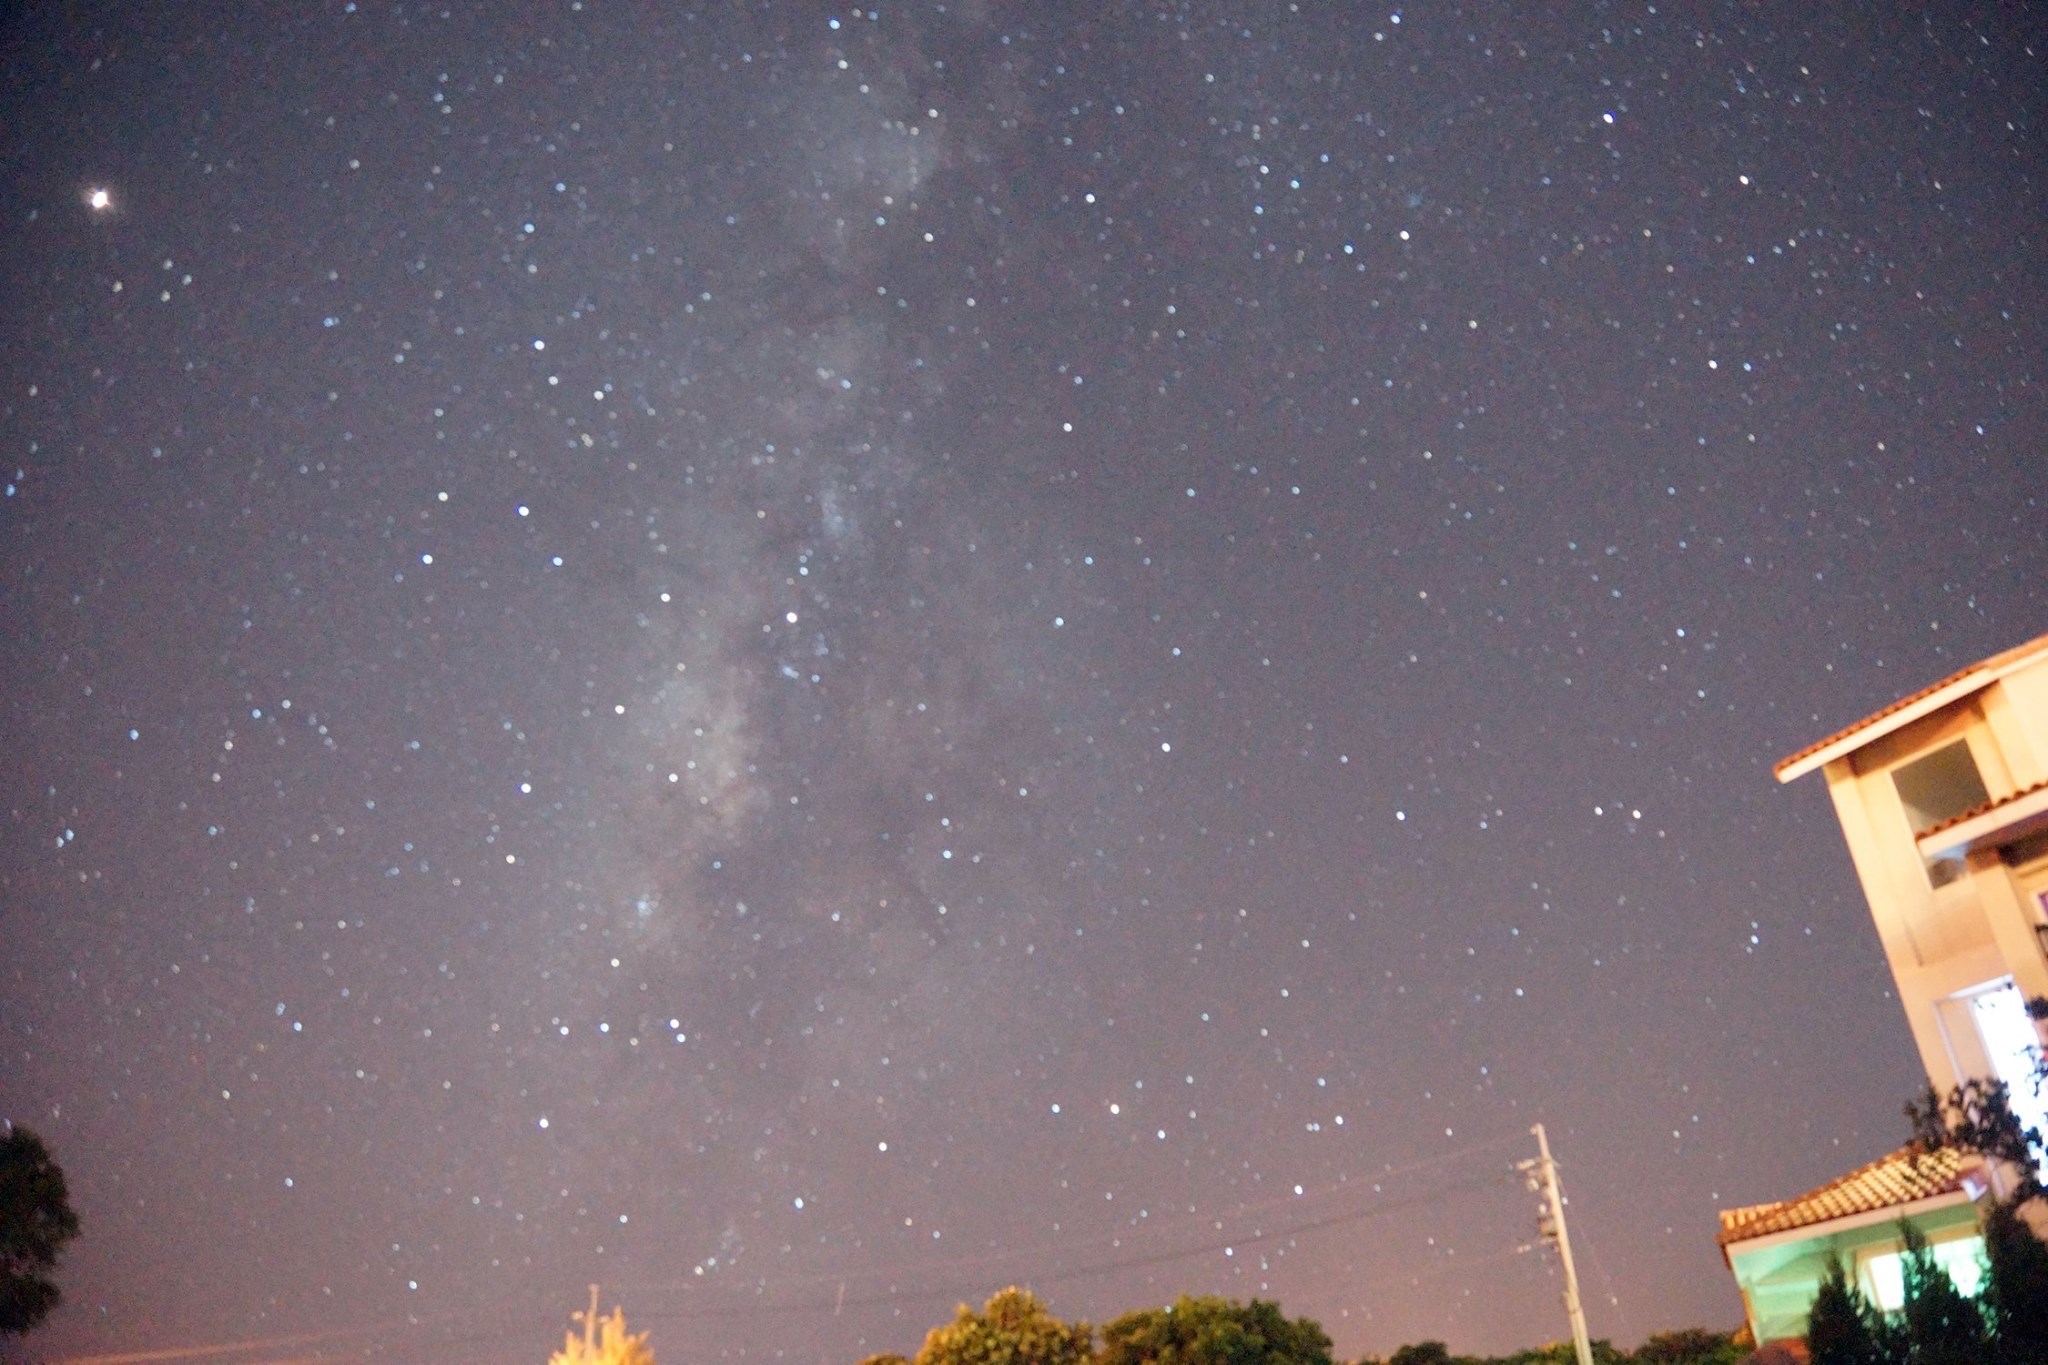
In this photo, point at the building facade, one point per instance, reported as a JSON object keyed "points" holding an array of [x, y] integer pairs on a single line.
{"points": [[1779, 1252], [1943, 801]]}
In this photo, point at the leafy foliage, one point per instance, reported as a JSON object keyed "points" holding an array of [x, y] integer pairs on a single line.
{"points": [[1938, 1325], [1012, 1328], [1422, 1353], [1843, 1328], [1690, 1346], [2016, 1296], [1693, 1346], [2011, 1323], [1977, 1117], [1564, 1353], [1941, 1326], [1213, 1331], [35, 1222]]}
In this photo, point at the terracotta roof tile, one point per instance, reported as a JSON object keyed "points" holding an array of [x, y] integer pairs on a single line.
{"points": [[1983, 808], [1904, 1177], [1847, 730], [2032, 646]]}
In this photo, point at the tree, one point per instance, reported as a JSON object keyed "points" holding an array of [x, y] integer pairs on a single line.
{"points": [[1842, 1328], [605, 1341], [1691, 1346], [1564, 1353], [1941, 1326], [1213, 1331], [1977, 1117], [1013, 1328], [35, 1222], [2016, 1290], [1422, 1353]]}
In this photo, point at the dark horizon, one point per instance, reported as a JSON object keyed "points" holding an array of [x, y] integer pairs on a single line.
{"points": [[806, 662]]}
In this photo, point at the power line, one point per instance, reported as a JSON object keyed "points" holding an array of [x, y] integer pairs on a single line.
{"points": [[954, 1265], [951, 1273], [958, 1286]]}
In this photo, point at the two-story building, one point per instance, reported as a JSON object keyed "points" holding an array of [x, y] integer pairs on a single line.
{"points": [[1943, 800]]}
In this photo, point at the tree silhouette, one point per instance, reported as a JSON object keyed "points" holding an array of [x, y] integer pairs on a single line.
{"points": [[1941, 1326], [1842, 1328], [1422, 1353], [1689, 1346], [2016, 1292], [35, 1222], [1213, 1331], [1977, 1116]]}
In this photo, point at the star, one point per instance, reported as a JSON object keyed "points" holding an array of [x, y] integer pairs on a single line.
{"points": [[626, 613]]}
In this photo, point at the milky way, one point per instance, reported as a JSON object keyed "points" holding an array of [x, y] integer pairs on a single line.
{"points": [[806, 662]]}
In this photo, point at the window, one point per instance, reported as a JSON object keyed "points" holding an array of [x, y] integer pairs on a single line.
{"points": [[1934, 789], [2015, 1052], [1962, 1259]]}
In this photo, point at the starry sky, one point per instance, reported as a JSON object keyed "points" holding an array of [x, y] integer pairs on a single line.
{"points": [[807, 661]]}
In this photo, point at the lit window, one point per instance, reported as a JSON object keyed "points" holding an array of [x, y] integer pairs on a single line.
{"points": [[1962, 1259], [2015, 1052]]}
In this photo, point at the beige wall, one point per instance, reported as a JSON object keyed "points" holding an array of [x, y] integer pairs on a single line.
{"points": [[1941, 941], [2021, 718]]}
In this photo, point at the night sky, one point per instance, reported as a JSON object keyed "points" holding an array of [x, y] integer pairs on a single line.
{"points": [[808, 661]]}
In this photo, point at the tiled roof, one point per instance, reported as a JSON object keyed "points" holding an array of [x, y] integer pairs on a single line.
{"points": [[1906, 1176], [1983, 808], [1989, 668]]}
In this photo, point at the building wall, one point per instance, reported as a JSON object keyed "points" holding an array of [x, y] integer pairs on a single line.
{"points": [[2020, 715], [1952, 930], [1948, 933]]}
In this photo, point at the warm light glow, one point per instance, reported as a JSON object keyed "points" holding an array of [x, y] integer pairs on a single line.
{"points": [[98, 199]]}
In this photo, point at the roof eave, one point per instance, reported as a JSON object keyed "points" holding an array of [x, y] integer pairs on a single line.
{"points": [[1969, 1193], [1896, 716], [1880, 725], [2003, 824]]}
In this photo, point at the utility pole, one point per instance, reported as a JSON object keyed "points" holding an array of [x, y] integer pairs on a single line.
{"points": [[1542, 1178]]}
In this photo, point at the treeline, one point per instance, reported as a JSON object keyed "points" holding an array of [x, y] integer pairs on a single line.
{"points": [[1693, 1346], [1014, 1328]]}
